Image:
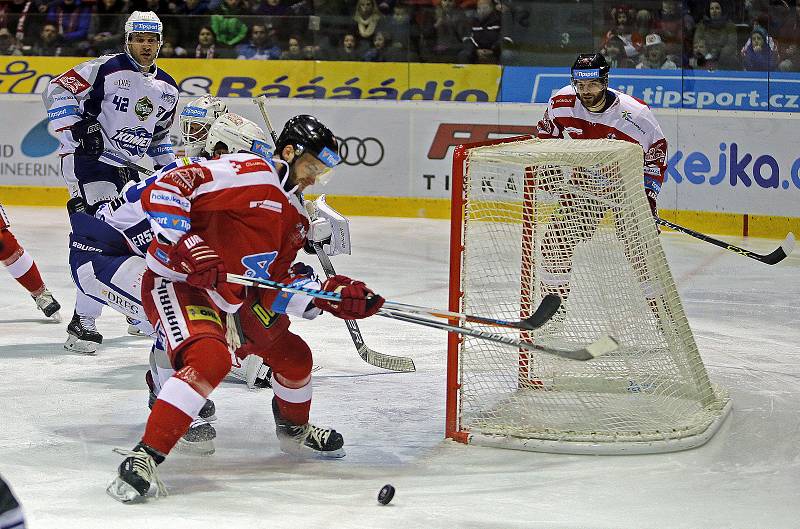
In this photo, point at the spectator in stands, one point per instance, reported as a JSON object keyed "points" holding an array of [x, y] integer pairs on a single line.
{"points": [[758, 56], [614, 52], [261, 45], [9, 45], [227, 21], [348, 50], [192, 15], [366, 18], [790, 59], [397, 27], [206, 47], [294, 50], [644, 22], [789, 33], [676, 28], [19, 18], [484, 44], [450, 28], [623, 29], [49, 43], [718, 36], [170, 51], [271, 8], [654, 57], [107, 30], [72, 20]]}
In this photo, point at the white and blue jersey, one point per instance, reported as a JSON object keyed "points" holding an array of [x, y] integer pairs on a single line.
{"points": [[135, 109], [107, 250]]}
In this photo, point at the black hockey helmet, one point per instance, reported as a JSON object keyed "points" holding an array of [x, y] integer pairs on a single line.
{"points": [[590, 66], [307, 134]]}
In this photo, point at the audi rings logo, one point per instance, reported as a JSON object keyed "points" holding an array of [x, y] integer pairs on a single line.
{"points": [[360, 151]]}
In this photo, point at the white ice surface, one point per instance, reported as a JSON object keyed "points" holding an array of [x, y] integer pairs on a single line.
{"points": [[62, 413]]}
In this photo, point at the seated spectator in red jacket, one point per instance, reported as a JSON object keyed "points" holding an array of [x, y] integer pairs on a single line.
{"points": [[623, 29]]}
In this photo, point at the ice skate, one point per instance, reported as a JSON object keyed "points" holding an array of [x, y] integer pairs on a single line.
{"points": [[48, 305], [306, 439], [136, 473], [133, 327], [199, 439], [83, 335]]}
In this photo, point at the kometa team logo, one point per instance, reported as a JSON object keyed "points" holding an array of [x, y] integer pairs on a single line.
{"points": [[133, 141], [143, 108]]}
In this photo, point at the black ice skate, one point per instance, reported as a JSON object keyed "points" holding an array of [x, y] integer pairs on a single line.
{"points": [[48, 305], [83, 335], [306, 439], [136, 473]]}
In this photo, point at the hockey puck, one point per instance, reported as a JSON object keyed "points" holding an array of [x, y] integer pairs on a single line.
{"points": [[386, 494]]}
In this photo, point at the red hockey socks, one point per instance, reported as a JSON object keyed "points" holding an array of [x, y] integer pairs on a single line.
{"points": [[19, 264]]}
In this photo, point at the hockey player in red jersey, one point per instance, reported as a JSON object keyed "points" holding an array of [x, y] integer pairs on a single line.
{"points": [[241, 213], [589, 109], [23, 269]]}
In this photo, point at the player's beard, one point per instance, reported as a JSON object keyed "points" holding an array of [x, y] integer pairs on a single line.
{"points": [[592, 103]]}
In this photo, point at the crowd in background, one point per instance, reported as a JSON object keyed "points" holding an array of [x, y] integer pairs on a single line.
{"points": [[669, 34]]}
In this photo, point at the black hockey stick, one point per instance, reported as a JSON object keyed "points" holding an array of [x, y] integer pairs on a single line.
{"points": [[392, 363], [602, 346], [774, 257], [544, 312]]}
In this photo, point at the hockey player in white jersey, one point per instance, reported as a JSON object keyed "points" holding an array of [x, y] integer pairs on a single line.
{"points": [[109, 112]]}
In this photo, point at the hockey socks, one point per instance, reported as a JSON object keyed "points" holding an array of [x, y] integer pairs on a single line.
{"points": [[20, 264]]}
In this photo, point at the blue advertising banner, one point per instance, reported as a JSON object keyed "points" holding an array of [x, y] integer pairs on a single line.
{"points": [[692, 89]]}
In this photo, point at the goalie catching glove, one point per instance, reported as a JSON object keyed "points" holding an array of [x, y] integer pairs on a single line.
{"points": [[358, 301]]}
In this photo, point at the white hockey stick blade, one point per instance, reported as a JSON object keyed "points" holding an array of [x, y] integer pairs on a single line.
{"points": [[400, 364]]}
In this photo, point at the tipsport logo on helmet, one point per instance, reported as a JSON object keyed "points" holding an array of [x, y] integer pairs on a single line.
{"points": [[133, 141], [329, 158], [586, 74], [146, 27], [194, 112]]}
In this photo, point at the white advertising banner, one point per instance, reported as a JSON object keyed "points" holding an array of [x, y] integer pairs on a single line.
{"points": [[736, 162]]}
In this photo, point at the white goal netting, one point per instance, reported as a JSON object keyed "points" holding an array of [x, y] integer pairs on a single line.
{"points": [[570, 217]]}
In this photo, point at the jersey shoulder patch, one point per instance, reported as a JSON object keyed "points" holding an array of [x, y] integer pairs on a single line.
{"points": [[563, 101], [72, 81]]}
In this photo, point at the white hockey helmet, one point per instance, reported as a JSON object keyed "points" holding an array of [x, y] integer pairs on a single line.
{"points": [[196, 120], [238, 134], [143, 22]]}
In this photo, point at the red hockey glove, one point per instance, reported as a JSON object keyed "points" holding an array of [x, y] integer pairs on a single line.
{"points": [[203, 266], [358, 301]]}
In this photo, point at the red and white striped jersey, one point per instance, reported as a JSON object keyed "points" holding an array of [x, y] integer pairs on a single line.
{"points": [[237, 205], [627, 119]]}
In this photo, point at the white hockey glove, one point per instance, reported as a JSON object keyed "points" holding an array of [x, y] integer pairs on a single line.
{"points": [[329, 228]]}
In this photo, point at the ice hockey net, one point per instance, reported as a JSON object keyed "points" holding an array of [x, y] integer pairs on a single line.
{"points": [[530, 217]]}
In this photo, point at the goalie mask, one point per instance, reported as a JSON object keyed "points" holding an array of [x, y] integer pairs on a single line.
{"points": [[196, 120], [237, 134], [308, 135], [145, 22]]}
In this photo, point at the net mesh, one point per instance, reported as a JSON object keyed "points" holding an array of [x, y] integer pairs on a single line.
{"points": [[570, 217]]}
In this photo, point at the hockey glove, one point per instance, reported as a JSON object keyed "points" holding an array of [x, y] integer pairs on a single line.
{"points": [[358, 301], [203, 266], [89, 135]]}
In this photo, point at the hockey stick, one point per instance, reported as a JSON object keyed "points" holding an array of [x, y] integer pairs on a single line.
{"points": [[130, 165], [602, 346], [392, 363], [546, 309], [774, 257]]}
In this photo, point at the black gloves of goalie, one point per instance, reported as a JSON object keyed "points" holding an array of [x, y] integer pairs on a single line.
{"points": [[89, 135], [358, 301]]}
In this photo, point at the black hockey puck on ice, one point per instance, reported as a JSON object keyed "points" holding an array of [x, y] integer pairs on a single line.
{"points": [[386, 494]]}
